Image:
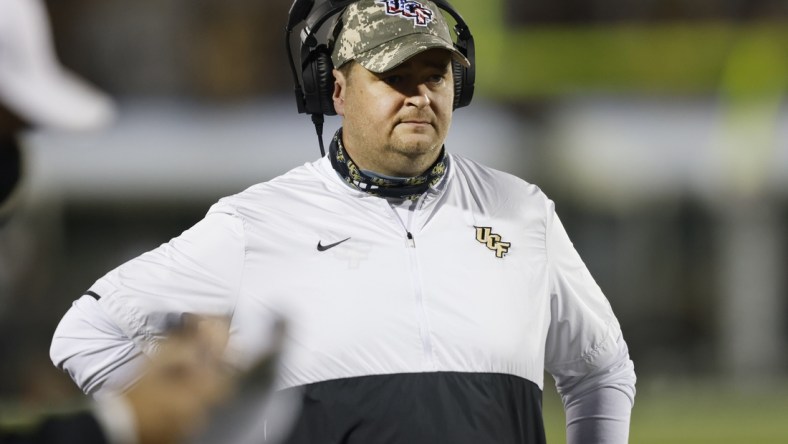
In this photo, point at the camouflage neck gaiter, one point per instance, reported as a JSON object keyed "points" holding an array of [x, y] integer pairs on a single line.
{"points": [[410, 188]]}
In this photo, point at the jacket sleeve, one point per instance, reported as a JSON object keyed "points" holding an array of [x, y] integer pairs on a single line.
{"points": [[598, 405], [102, 340], [585, 351]]}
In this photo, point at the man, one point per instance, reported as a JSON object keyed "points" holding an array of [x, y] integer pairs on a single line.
{"points": [[426, 294]]}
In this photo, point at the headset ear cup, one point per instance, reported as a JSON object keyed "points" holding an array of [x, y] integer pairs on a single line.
{"points": [[324, 68], [318, 78], [464, 79], [458, 72]]}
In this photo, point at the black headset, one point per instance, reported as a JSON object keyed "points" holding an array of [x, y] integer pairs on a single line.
{"points": [[314, 87]]}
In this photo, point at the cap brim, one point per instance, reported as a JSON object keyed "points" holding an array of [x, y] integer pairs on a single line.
{"points": [[393, 53], [55, 98]]}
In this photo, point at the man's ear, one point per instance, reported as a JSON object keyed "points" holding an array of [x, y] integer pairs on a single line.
{"points": [[340, 86]]}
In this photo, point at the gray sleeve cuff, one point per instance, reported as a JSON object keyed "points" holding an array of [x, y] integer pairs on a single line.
{"points": [[116, 418]]}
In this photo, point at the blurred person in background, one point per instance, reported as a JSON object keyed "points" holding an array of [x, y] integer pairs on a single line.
{"points": [[426, 294], [36, 91], [36, 94], [176, 390]]}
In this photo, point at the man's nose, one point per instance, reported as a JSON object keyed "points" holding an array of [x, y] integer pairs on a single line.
{"points": [[419, 97]]}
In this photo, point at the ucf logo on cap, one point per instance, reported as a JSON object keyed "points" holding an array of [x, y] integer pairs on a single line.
{"points": [[410, 9], [382, 34]]}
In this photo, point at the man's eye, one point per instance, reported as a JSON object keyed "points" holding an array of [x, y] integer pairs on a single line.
{"points": [[436, 79], [392, 80]]}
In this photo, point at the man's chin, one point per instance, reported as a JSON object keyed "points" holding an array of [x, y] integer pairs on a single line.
{"points": [[417, 144], [419, 137]]}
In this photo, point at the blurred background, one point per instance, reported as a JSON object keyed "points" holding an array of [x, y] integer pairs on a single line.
{"points": [[659, 128]]}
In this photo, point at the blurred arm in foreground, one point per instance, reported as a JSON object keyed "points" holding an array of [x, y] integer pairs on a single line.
{"points": [[173, 401]]}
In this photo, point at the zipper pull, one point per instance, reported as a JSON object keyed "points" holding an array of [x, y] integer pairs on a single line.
{"points": [[411, 242]]}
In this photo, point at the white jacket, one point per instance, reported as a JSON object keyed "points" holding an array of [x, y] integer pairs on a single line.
{"points": [[477, 277]]}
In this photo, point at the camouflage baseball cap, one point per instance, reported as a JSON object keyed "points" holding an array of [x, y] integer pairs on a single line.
{"points": [[382, 34]]}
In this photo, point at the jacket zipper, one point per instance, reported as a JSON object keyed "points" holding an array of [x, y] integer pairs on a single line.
{"points": [[428, 362]]}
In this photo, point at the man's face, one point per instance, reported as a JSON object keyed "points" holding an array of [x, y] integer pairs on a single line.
{"points": [[395, 122]]}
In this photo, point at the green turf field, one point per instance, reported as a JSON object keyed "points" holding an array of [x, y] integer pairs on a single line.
{"points": [[693, 414]]}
